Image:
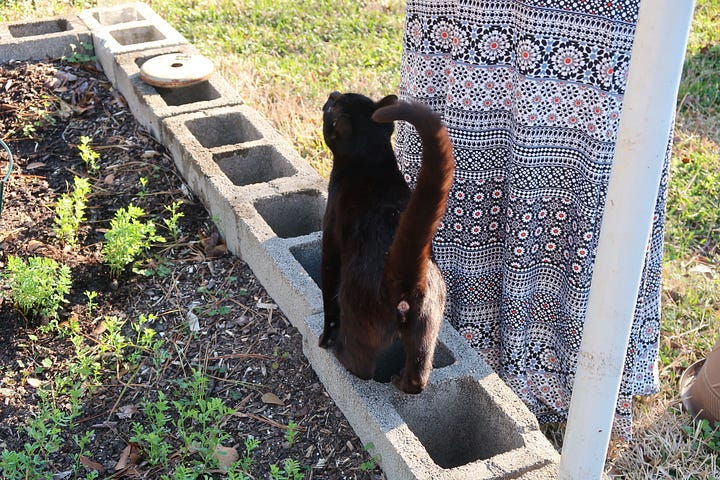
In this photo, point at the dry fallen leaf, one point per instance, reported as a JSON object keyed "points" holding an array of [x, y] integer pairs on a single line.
{"points": [[214, 246], [126, 411], [270, 397], [131, 455], [98, 467], [34, 382], [6, 392], [35, 245], [226, 456], [704, 269], [97, 331]]}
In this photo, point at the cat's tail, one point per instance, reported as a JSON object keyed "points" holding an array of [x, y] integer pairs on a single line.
{"points": [[406, 265]]}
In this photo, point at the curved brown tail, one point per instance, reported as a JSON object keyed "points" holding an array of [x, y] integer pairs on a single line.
{"points": [[406, 265]]}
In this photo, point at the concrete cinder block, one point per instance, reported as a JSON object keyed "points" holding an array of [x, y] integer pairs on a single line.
{"points": [[466, 425], [151, 104], [247, 175], [42, 39], [127, 28]]}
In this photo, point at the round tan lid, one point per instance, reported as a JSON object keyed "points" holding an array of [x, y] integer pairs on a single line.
{"points": [[174, 70]]}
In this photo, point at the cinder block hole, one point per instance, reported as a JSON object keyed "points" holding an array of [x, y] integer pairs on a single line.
{"points": [[254, 165], [393, 359], [308, 256], [219, 130], [39, 28], [458, 423], [201, 92], [132, 36], [293, 215], [113, 17]]}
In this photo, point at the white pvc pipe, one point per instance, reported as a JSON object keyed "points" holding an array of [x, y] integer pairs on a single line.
{"points": [[648, 111]]}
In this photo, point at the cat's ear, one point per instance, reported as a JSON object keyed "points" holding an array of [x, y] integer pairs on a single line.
{"points": [[389, 100]]}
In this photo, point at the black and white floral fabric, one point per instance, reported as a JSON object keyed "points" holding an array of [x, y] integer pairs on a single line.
{"points": [[531, 92]]}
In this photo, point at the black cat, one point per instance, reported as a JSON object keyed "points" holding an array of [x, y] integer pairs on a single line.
{"points": [[378, 277]]}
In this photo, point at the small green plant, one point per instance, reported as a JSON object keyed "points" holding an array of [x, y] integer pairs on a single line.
{"points": [[143, 187], [159, 266], [246, 461], [172, 222], [290, 471], [88, 155], [199, 418], [91, 296], [83, 443], [704, 434], [82, 53], [37, 118], [291, 433], [38, 286], [153, 437], [44, 433], [369, 465], [70, 211], [127, 238]]}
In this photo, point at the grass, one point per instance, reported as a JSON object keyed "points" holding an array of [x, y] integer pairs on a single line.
{"points": [[285, 56]]}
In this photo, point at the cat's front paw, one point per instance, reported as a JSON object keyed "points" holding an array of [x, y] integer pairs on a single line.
{"points": [[404, 384]]}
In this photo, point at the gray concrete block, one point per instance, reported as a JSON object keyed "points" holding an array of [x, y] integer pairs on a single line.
{"points": [[466, 425], [247, 176], [42, 39], [127, 28], [151, 104]]}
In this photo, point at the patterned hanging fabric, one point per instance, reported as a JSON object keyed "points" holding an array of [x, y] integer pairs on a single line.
{"points": [[531, 92]]}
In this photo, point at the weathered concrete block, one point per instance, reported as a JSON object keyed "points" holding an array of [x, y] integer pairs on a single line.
{"points": [[466, 425], [234, 152], [150, 104], [42, 39], [127, 28]]}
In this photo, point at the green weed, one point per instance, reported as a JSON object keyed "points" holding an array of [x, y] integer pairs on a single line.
{"points": [[172, 223], [291, 433], [70, 211], [128, 238], [82, 53], [290, 471], [88, 155], [91, 296], [38, 286], [370, 465]]}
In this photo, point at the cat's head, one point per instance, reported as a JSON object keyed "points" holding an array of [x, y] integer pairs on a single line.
{"points": [[348, 128]]}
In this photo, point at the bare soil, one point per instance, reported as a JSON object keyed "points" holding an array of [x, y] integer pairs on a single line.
{"points": [[244, 344]]}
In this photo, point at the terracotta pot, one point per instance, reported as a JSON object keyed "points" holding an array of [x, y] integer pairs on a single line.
{"points": [[700, 387]]}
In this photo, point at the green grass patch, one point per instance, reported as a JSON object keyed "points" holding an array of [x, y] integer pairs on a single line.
{"points": [[700, 88]]}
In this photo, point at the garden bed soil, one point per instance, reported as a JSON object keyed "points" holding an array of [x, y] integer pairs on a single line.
{"points": [[210, 311]]}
